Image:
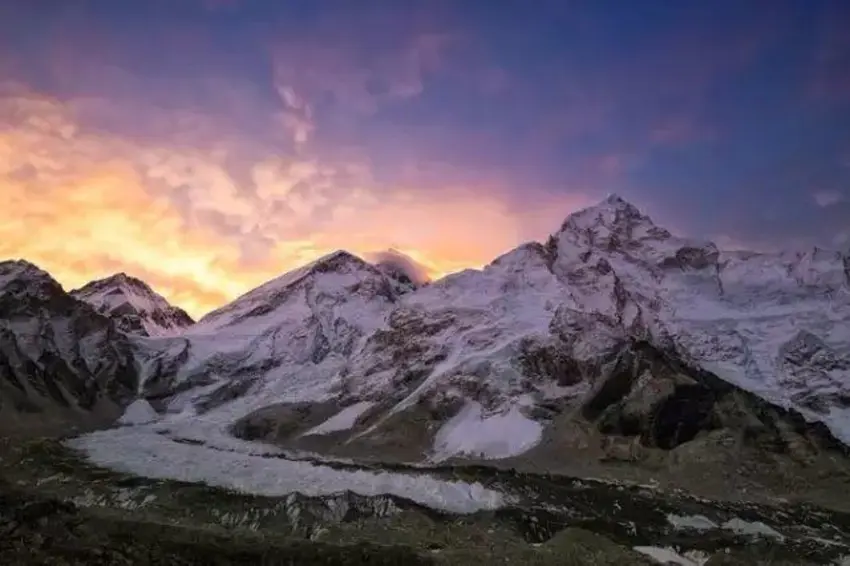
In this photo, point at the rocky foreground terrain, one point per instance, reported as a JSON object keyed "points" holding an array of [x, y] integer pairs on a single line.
{"points": [[617, 394], [59, 509]]}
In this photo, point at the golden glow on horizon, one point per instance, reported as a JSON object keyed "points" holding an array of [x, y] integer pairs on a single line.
{"points": [[84, 204]]}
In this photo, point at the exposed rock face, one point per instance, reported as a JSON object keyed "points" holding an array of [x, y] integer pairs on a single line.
{"points": [[134, 306], [57, 353], [650, 394], [814, 373]]}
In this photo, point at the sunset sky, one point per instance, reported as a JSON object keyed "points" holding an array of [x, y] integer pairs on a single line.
{"points": [[206, 146]]}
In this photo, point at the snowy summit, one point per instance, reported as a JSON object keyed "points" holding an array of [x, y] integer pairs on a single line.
{"points": [[136, 308]]}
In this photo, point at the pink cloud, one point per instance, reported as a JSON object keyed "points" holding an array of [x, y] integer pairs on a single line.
{"points": [[827, 198]]}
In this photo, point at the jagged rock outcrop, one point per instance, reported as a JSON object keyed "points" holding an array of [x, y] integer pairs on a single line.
{"points": [[814, 374], [650, 394]]}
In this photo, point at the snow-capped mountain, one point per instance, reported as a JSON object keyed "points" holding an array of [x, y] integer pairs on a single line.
{"points": [[614, 328], [313, 319], [614, 322], [134, 306], [59, 358]]}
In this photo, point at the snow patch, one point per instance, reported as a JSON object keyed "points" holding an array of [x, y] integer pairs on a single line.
{"points": [[343, 420], [141, 451], [669, 555], [138, 412], [741, 527], [693, 522], [470, 433]]}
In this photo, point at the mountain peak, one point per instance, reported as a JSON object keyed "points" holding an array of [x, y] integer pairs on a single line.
{"points": [[115, 283], [615, 203], [613, 199], [134, 305], [336, 260], [20, 278], [19, 268], [613, 217], [332, 272]]}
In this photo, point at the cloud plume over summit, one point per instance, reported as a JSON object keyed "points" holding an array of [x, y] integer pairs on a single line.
{"points": [[401, 263]]}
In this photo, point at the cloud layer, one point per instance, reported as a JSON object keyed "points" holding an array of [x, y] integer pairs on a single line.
{"points": [[83, 203]]}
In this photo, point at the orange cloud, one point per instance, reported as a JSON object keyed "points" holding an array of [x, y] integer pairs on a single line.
{"points": [[83, 203]]}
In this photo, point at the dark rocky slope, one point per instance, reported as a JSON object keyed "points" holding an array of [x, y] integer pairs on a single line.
{"points": [[60, 361]]}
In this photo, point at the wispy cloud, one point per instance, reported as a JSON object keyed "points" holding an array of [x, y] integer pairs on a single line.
{"points": [[827, 198], [314, 70]]}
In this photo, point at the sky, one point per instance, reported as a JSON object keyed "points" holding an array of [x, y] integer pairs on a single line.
{"points": [[207, 146]]}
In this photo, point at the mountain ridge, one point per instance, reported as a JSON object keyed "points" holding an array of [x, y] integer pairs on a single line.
{"points": [[487, 363], [536, 328], [620, 213]]}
